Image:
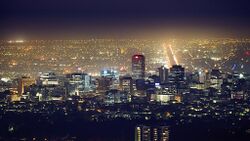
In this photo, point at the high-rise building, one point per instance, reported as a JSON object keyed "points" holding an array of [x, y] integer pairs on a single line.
{"points": [[177, 79], [126, 84], [151, 133], [24, 82], [142, 133], [78, 83], [177, 74], [138, 66], [163, 74]]}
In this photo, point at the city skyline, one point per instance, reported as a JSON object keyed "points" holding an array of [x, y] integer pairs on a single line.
{"points": [[156, 106], [125, 70]]}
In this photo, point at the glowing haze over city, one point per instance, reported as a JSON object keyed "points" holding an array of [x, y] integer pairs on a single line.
{"points": [[134, 70]]}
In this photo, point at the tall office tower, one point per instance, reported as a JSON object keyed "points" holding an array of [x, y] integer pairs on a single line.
{"points": [[177, 79], [163, 74], [138, 66], [24, 82], [126, 84], [78, 83], [151, 133], [177, 74], [142, 133]]}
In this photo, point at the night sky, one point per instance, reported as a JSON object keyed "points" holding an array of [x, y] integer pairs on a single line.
{"points": [[69, 19]]}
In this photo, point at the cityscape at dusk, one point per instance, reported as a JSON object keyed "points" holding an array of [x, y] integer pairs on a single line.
{"points": [[125, 70]]}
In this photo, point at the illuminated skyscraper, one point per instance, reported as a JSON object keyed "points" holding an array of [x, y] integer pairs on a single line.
{"points": [[78, 83], [138, 66], [24, 82], [177, 78], [126, 84], [163, 74], [151, 133], [142, 133], [177, 74]]}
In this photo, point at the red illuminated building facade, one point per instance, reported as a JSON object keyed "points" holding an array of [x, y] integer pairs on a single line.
{"points": [[138, 66]]}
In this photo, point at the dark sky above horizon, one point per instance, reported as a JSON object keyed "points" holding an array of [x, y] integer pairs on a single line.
{"points": [[58, 19]]}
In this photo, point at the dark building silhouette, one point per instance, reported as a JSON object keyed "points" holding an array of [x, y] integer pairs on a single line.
{"points": [[163, 74]]}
